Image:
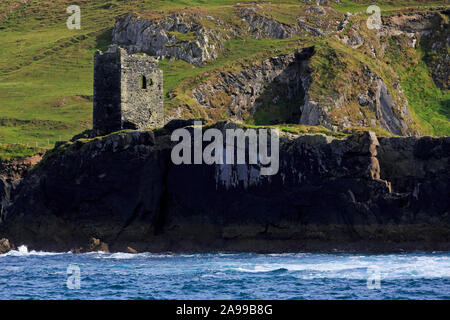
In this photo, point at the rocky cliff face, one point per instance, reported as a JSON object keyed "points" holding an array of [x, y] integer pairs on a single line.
{"points": [[357, 88], [11, 173], [197, 37], [123, 190], [392, 116], [420, 164], [180, 36], [316, 22], [365, 101], [284, 83], [432, 31], [280, 80]]}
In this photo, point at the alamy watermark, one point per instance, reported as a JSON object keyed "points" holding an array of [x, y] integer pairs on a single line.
{"points": [[74, 277], [374, 21], [374, 278], [74, 21], [255, 141]]}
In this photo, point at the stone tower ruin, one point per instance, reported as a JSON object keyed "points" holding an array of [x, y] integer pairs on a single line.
{"points": [[128, 91]]}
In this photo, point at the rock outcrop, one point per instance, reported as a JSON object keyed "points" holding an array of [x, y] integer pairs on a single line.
{"points": [[365, 101], [196, 37], [348, 193], [5, 246], [284, 82], [11, 173], [179, 36], [431, 30], [97, 245], [278, 80], [376, 101], [389, 115], [260, 26]]}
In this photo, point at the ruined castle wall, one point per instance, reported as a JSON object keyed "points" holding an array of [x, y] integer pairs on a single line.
{"points": [[142, 92], [106, 112]]}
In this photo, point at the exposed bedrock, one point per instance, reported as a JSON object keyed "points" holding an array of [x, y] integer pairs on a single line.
{"points": [[196, 37], [284, 82], [5, 246], [261, 26], [11, 173], [392, 116], [419, 163], [431, 30], [163, 37], [423, 23], [376, 106], [277, 90], [281, 80], [124, 191]]}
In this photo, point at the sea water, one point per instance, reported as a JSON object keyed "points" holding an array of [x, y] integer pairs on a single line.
{"points": [[46, 275]]}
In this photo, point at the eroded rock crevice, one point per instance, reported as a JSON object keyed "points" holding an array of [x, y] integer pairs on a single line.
{"points": [[278, 84]]}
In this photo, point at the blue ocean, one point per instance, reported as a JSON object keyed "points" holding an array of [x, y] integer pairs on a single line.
{"points": [[44, 275]]}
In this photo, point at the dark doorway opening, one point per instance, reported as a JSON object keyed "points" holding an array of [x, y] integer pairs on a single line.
{"points": [[143, 82]]}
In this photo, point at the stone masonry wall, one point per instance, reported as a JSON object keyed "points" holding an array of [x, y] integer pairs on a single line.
{"points": [[107, 96], [128, 92], [141, 107]]}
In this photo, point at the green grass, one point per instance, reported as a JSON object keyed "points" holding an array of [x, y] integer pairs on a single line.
{"points": [[361, 6], [238, 51], [430, 106], [300, 129], [378, 131], [185, 37], [13, 151], [46, 70]]}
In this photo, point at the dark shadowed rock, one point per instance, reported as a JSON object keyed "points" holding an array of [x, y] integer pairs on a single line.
{"points": [[11, 173], [354, 193]]}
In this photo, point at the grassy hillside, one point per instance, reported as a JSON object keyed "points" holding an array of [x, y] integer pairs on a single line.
{"points": [[46, 69]]}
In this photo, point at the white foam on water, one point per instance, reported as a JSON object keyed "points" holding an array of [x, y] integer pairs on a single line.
{"points": [[122, 255], [127, 256], [259, 268], [93, 253], [285, 254], [299, 265], [356, 267], [22, 251]]}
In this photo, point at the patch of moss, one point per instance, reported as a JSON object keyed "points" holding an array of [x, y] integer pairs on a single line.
{"points": [[378, 131], [15, 150], [428, 104], [184, 37], [299, 129]]}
